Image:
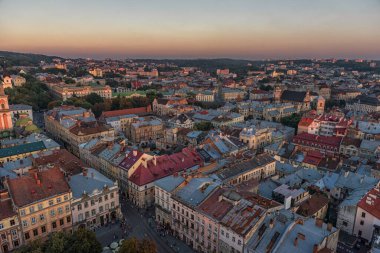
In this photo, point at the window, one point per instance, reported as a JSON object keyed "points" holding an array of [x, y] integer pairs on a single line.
{"points": [[112, 204], [22, 212], [42, 217], [100, 199], [61, 222], [52, 212], [40, 206], [227, 235], [362, 222], [233, 238], [222, 232], [107, 206], [67, 207], [100, 209], [93, 212], [66, 197], [85, 204], [43, 229], [35, 232], [14, 232], [106, 197], [60, 210], [111, 195], [58, 200], [54, 224], [26, 235], [87, 214], [359, 233], [80, 216], [16, 243], [92, 202], [345, 223], [51, 202], [363, 214], [24, 223], [1, 226], [79, 207], [33, 220], [68, 219], [239, 242], [31, 209]]}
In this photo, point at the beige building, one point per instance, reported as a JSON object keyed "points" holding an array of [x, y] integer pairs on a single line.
{"points": [[65, 91], [256, 139], [42, 203], [148, 128], [74, 126], [10, 230]]}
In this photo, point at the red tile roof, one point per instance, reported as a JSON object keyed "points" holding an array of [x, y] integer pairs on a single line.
{"points": [[6, 208], [137, 111], [371, 202], [37, 186], [163, 166], [215, 208], [305, 122], [327, 140], [66, 161], [130, 159]]}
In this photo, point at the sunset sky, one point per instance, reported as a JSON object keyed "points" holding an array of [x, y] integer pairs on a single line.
{"points": [[249, 29]]}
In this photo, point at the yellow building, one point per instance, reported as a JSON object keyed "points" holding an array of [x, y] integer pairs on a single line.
{"points": [[10, 230], [42, 202]]}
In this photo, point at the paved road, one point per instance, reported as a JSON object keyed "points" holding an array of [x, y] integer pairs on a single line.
{"points": [[141, 228]]}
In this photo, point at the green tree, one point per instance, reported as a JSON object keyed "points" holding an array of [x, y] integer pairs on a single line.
{"points": [[83, 241], [133, 245], [93, 98], [203, 126]]}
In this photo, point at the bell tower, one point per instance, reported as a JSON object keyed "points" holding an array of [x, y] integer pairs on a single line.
{"points": [[320, 105], [277, 94], [5, 114]]}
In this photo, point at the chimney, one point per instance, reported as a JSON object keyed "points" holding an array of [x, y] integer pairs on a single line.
{"points": [[318, 222], [295, 242], [154, 160], [271, 223], [315, 248]]}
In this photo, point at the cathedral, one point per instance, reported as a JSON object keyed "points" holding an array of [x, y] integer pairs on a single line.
{"points": [[300, 99], [5, 114]]}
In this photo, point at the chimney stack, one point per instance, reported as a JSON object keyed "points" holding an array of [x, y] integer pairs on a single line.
{"points": [[318, 222], [295, 242]]}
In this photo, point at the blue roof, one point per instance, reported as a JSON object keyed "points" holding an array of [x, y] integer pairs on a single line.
{"points": [[197, 190], [169, 183], [22, 149], [94, 180]]}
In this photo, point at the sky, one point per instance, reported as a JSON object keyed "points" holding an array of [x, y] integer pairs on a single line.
{"points": [[243, 29]]}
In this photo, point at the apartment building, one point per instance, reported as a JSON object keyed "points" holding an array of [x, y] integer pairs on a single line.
{"points": [[74, 126], [42, 202], [10, 229], [95, 199]]}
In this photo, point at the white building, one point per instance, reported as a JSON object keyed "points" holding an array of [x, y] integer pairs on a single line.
{"points": [[95, 200]]}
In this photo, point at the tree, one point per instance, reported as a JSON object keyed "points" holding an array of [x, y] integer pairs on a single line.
{"points": [[203, 126], [133, 245], [93, 98], [82, 240], [291, 121]]}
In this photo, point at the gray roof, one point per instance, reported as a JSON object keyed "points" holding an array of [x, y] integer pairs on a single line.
{"points": [[94, 180], [169, 183], [197, 190]]}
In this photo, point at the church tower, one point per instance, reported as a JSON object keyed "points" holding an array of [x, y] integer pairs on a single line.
{"points": [[5, 114], [277, 94], [320, 105]]}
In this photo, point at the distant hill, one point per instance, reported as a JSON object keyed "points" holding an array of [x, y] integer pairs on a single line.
{"points": [[24, 59]]}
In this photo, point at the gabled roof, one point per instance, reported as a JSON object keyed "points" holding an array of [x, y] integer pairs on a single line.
{"points": [[295, 96]]}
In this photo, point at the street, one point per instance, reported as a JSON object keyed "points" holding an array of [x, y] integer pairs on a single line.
{"points": [[142, 225]]}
